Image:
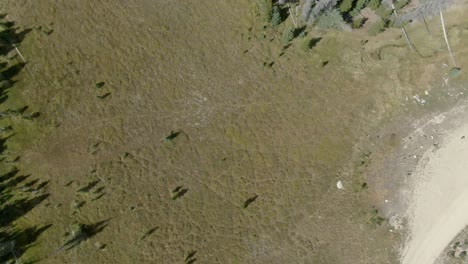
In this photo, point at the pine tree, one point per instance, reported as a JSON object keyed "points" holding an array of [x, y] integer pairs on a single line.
{"points": [[346, 6], [311, 12], [332, 19]]}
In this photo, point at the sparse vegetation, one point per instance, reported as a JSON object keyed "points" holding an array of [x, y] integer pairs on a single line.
{"points": [[288, 35], [99, 85], [265, 9], [375, 219]]}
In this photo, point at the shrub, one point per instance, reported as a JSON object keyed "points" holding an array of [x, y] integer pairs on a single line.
{"points": [[377, 27], [288, 35], [373, 4], [383, 12], [346, 6], [332, 19], [358, 22], [276, 18], [360, 4], [375, 218], [354, 13], [305, 44]]}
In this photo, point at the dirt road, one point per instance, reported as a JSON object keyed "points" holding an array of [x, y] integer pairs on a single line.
{"points": [[439, 208]]}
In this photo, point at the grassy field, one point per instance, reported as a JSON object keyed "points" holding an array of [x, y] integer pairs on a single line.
{"points": [[183, 131]]}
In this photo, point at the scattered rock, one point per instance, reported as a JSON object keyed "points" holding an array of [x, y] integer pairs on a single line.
{"points": [[339, 185], [396, 222]]}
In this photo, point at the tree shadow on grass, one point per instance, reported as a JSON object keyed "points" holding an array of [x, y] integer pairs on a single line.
{"points": [[19, 208], [14, 201], [81, 233], [11, 37], [13, 241], [14, 205]]}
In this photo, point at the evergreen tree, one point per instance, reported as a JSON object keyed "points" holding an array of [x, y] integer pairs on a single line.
{"points": [[332, 19], [346, 6], [311, 11]]}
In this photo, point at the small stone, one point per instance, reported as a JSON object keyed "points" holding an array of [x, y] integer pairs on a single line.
{"points": [[339, 185]]}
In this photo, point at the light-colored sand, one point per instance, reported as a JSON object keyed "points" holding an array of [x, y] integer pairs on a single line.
{"points": [[439, 209]]}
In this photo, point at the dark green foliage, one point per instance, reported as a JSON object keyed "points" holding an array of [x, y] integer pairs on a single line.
{"points": [[346, 6], [307, 44], [99, 85], [354, 13], [360, 4], [300, 32], [358, 22], [377, 27], [373, 4], [463, 254], [276, 17], [375, 218]]}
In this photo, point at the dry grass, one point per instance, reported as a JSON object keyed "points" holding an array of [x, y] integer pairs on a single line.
{"points": [[284, 132]]}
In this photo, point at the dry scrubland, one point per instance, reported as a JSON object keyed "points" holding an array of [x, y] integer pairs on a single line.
{"points": [[258, 122]]}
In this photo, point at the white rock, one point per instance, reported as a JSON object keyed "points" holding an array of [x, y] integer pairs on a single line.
{"points": [[339, 185]]}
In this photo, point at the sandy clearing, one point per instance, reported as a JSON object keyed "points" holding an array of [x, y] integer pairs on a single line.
{"points": [[439, 210]]}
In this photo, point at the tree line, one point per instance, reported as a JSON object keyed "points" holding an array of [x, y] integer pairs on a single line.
{"points": [[347, 14]]}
